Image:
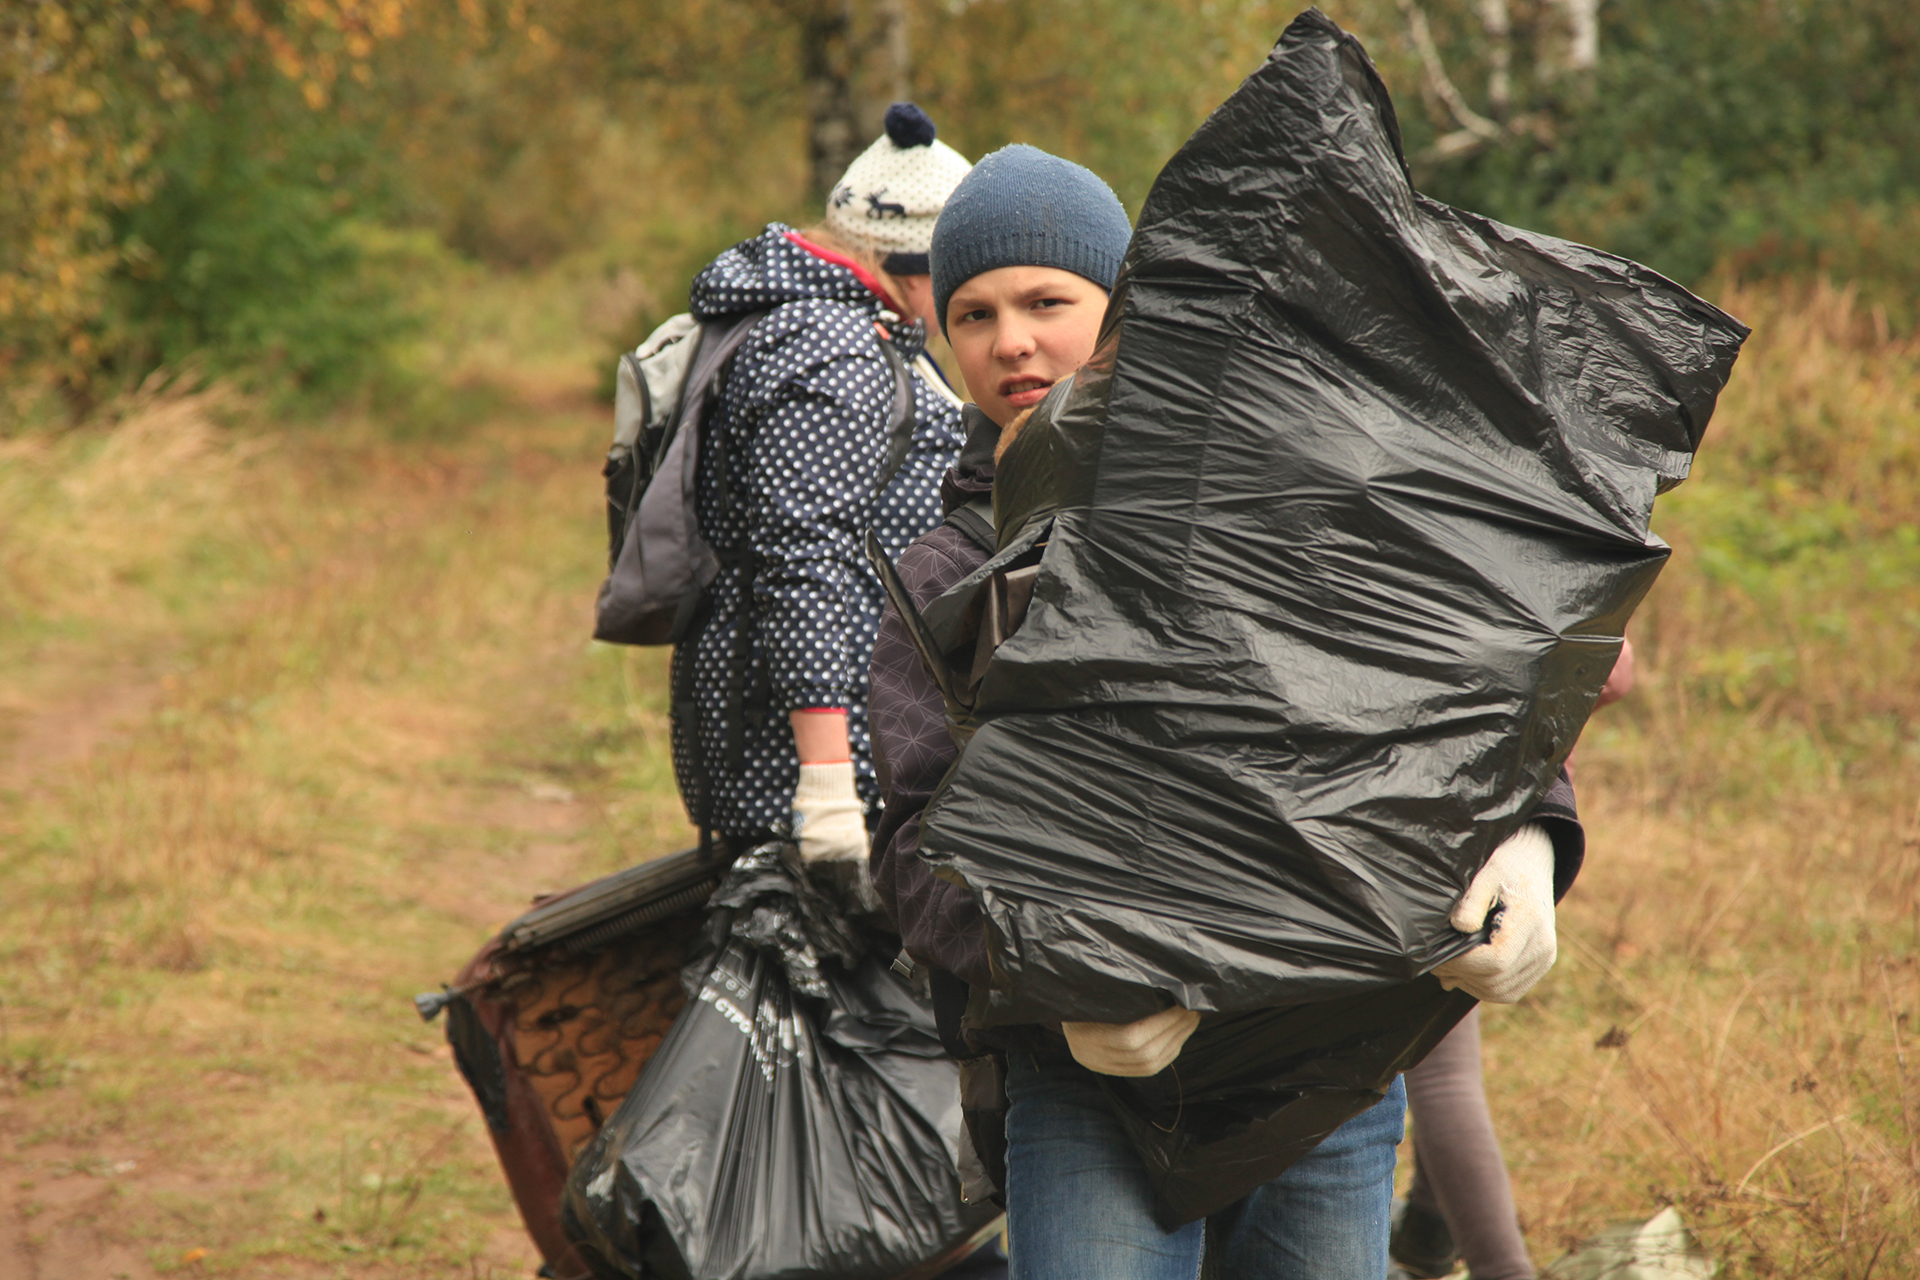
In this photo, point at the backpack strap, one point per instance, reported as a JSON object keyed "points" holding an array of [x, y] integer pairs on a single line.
{"points": [[975, 519], [720, 341], [901, 443]]}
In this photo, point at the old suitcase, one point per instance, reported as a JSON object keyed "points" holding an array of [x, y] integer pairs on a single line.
{"points": [[553, 1020]]}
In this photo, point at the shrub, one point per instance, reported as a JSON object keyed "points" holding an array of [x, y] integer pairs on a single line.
{"points": [[252, 255]]}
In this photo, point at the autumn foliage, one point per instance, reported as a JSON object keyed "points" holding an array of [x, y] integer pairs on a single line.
{"points": [[95, 88], [220, 182]]}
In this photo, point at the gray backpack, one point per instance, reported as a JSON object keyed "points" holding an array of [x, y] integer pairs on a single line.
{"points": [[659, 566]]}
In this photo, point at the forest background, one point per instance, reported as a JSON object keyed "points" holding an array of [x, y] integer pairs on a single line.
{"points": [[306, 316]]}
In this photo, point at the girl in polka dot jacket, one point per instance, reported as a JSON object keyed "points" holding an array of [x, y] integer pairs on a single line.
{"points": [[770, 681]]}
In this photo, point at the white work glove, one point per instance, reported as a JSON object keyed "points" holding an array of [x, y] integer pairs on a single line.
{"points": [[1519, 877], [1143, 1048], [829, 822]]}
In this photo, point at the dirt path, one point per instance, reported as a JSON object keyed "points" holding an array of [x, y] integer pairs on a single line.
{"points": [[237, 846], [52, 1196], [61, 1202], [61, 725]]}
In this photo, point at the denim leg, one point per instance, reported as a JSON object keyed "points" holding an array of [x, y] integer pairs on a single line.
{"points": [[1326, 1218], [988, 1262], [1078, 1203]]}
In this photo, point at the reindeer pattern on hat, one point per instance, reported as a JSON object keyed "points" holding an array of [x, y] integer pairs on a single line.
{"points": [[878, 208], [889, 197]]}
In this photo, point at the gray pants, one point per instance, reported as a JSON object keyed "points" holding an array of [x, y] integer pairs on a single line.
{"points": [[1457, 1169]]}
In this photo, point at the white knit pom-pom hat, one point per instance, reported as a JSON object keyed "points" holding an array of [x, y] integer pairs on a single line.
{"points": [[888, 199]]}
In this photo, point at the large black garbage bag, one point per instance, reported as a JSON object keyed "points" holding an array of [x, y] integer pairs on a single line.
{"points": [[1252, 1093], [800, 1119], [1353, 507]]}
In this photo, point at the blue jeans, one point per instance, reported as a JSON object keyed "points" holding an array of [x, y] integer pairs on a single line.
{"points": [[1079, 1206]]}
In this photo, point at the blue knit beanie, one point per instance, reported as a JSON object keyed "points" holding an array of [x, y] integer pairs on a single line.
{"points": [[1021, 207]]}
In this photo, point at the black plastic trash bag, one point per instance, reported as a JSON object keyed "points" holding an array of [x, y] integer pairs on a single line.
{"points": [[800, 1120], [1353, 509]]}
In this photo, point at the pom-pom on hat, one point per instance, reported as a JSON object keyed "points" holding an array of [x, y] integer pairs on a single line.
{"points": [[887, 200], [1021, 207]]}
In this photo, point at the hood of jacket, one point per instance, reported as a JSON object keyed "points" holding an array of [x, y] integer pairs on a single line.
{"points": [[770, 270], [971, 472]]}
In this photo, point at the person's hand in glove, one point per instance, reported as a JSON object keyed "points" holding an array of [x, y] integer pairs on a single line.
{"points": [[829, 821], [1143, 1048], [1519, 878]]}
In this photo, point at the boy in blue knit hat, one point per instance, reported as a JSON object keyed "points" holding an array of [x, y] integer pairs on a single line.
{"points": [[1023, 258]]}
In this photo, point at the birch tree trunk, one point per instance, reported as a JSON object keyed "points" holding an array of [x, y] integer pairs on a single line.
{"points": [[1499, 27], [893, 77], [854, 70], [1583, 34], [827, 62]]}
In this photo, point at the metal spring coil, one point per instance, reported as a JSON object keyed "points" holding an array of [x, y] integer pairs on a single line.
{"points": [[609, 930]]}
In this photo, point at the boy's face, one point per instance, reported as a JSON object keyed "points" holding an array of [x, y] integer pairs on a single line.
{"points": [[1016, 331]]}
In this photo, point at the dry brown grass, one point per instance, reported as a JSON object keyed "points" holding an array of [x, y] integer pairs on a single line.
{"points": [[1731, 1026], [357, 694], [372, 726]]}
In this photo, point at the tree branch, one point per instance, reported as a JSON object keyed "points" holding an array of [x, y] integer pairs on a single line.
{"points": [[1499, 27], [1476, 128]]}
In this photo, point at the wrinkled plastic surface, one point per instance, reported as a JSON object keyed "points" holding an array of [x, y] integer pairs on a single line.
{"points": [[800, 1120], [1352, 507], [1657, 1249], [1251, 1093]]}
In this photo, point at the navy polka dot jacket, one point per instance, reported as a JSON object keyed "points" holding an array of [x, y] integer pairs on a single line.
{"points": [[806, 416]]}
